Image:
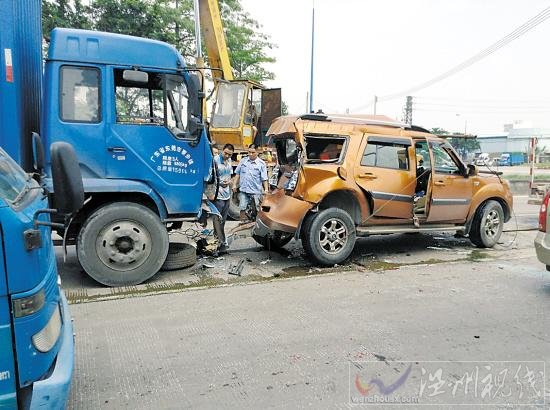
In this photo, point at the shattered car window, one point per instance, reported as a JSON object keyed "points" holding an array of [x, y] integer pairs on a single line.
{"points": [[324, 149]]}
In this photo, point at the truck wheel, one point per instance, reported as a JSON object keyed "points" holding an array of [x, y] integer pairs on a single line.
{"points": [[234, 210], [277, 241], [180, 255], [122, 244], [331, 237], [487, 225]]}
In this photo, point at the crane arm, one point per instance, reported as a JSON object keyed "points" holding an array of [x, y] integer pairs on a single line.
{"points": [[214, 38]]}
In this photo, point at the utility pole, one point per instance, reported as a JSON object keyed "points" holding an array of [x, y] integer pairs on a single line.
{"points": [[375, 102], [408, 111], [312, 55]]}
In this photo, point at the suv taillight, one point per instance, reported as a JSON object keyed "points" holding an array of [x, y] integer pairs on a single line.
{"points": [[543, 212]]}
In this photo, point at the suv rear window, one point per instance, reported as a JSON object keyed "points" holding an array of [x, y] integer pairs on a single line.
{"points": [[324, 149], [386, 155]]}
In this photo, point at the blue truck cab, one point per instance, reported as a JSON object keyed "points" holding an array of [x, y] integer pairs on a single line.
{"points": [[36, 334], [132, 111]]}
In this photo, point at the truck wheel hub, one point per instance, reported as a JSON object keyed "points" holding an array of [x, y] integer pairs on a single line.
{"points": [[123, 245]]}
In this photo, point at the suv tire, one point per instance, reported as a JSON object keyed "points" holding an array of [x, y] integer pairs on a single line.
{"points": [[487, 225], [330, 238]]}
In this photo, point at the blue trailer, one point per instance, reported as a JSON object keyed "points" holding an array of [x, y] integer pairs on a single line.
{"points": [[132, 111]]}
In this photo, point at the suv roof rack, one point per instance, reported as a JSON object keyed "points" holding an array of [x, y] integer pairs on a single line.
{"points": [[315, 117]]}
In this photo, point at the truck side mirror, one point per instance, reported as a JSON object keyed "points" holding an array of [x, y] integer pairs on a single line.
{"points": [[194, 108], [37, 153], [67, 179], [472, 170]]}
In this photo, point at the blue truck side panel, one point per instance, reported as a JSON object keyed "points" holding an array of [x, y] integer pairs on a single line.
{"points": [[8, 398], [20, 76]]}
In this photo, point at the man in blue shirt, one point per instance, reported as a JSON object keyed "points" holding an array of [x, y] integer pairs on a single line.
{"points": [[225, 170], [251, 178]]}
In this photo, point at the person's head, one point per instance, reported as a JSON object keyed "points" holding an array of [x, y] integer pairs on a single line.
{"points": [[215, 151], [227, 151], [252, 152]]}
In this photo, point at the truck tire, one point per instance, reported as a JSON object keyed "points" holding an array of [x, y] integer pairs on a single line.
{"points": [[180, 256], [487, 225], [277, 241], [330, 238], [122, 244]]}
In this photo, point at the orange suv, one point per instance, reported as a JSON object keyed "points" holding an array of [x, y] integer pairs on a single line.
{"points": [[339, 178]]}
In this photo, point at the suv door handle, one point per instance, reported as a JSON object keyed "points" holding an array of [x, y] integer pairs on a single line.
{"points": [[439, 183], [367, 175], [116, 149]]}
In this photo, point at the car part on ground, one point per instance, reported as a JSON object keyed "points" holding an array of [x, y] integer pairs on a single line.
{"points": [[276, 241]]}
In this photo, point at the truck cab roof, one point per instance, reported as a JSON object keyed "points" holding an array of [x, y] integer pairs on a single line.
{"points": [[98, 47]]}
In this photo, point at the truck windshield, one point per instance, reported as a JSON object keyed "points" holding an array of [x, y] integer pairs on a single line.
{"points": [[13, 179], [146, 103], [229, 105]]}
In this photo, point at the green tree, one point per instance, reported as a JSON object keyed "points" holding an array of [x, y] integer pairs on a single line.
{"points": [[248, 47], [171, 21], [64, 13]]}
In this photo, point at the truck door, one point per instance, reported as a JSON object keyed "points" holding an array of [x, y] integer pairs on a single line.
{"points": [[384, 169], [451, 191], [147, 142], [8, 397]]}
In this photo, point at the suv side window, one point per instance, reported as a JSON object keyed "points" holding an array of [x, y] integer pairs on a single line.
{"points": [[379, 153], [444, 163]]}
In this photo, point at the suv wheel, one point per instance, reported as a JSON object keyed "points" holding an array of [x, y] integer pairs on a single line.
{"points": [[487, 225], [331, 236]]}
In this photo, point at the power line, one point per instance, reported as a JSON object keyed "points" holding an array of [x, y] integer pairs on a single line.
{"points": [[518, 32]]}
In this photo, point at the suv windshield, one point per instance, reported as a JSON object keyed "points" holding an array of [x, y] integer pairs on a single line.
{"points": [[13, 179]]}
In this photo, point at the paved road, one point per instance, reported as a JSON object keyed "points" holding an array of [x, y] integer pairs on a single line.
{"points": [[297, 342], [371, 253]]}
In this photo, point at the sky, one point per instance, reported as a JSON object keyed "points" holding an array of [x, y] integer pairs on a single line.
{"points": [[373, 47]]}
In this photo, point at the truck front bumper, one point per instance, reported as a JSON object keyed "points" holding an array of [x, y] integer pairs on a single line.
{"points": [[53, 392]]}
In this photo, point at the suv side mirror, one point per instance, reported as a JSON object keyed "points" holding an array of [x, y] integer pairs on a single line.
{"points": [[67, 179], [472, 170], [194, 108]]}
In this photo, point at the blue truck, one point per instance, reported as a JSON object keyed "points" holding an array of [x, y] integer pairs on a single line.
{"points": [[132, 110], [511, 158], [36, 336]]}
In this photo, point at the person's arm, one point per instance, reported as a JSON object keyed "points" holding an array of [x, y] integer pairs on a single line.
{"points": [[237, 178]]}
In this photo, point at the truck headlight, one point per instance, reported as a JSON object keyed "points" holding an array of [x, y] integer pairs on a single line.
{"points": [[29, 305], [44, 340]]}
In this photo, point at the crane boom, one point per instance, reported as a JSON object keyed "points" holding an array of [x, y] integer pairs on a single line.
{"points": [[214, 39]]}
